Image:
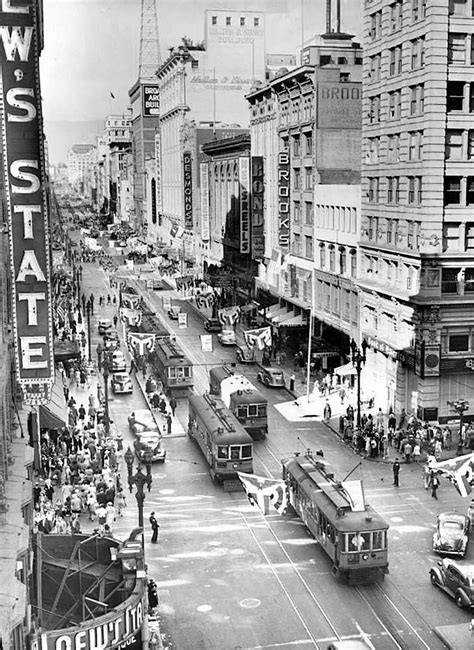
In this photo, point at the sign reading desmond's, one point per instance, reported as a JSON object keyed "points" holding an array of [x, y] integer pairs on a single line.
{"points": [[188, 190], [22, 133], [283, 184]]}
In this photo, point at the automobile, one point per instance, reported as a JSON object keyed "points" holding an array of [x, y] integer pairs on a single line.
{"points": [[142, 420], [244, 354], [457, 580], [271, 377], [121, 383], [149, 440], [213, 325], [227, 337], [104, 325], [452, 534], [118, 362], [174, 312], [111, 340]]}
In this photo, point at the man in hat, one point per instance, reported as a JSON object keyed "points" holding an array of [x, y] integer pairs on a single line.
{"points": [[154, 526]]}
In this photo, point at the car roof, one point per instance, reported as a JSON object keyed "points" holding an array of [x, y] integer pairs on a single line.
{"points": [[105, 321], [141, 412], [451, 516], [121, 375]]}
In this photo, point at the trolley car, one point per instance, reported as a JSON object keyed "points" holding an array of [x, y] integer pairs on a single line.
{"points": [[350, 532], [225, 444], [173, 367], [245, 401]]}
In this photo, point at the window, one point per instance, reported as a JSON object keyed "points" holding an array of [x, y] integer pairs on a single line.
{"points": [[453, 148], [325, 59], [452, 190], [393, 183], [242, 22], [332, 258], [457, 48], [455, 95], [395, 65], [471, 98], [214, 20], [353, 258], [194, 64], [459, 343], [394, 104], [309, 144], [458, 7], [256, 22], [451, 237], [419, 189], [417, 99], [410, 234], [297, 243], [308, 178], [297, 211], [296, 145], [374, 109], [415, 10], [410, 277], [308, 243], [374, 73], [373, 152], [297, 179], [342, 260], [373, 194], [308, 213], [470, 144], [322, 255], [469, 242], [470, 190], [393, 148], [228, 21], [375, 22], [396, 12]]}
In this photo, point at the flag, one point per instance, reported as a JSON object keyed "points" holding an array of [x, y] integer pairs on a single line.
{"points": [[263, 491], [459, 471], [112, 95], [141, 342], [131, 316], [130, 300], [462, 483], [229, 315], [262, 337]]}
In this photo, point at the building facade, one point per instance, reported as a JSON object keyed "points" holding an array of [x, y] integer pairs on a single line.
{"points": [[416, 275], [80, 159]]}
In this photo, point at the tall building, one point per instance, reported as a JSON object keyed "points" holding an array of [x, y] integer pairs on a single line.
{"points": [[80, 159], [416, 239]]}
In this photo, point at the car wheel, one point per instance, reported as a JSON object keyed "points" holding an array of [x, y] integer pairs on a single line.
{"points": [[266, 382], [433, 578], [459, 600]]}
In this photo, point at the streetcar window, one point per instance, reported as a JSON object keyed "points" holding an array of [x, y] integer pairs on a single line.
{"points": [[378, 539], [222, 452], [360, 542], [187, 371], [242, 412], [262, 410], [234, 453], [252, 410], [246, 451]]}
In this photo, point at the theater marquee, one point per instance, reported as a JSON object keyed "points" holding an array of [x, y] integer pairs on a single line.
{"points": [[22, 133]]}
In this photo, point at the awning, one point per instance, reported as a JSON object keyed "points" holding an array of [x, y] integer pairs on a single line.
{"points": [[345, 370], [52, 416], [272, 310], [293, 321], [64, 350], [246, 308], [282, 315]]}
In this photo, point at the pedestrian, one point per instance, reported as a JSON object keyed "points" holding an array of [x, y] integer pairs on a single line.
{"points": [[327, 412], [292, 382], [169, 420], [396, 472], [173, 405], [120, 502], [434, 484], [154, 526], [115, 319]]}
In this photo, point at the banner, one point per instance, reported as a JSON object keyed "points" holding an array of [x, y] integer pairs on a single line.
{"points": [[184, 282], [141, 343], [130, 316], [244, 174], [205, 300], [205, 215], [459, 471], [261, 337], [25, 200], [130, 300], [257, 199], [264, 492], [229, 315]]}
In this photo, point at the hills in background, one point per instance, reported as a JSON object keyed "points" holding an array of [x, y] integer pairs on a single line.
{"points": [[62, 135]]}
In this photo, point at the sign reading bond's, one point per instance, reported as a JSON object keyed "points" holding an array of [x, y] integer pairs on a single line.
{"points": [[25, 198]]}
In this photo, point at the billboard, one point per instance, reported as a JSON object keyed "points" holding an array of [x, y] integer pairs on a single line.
{"points": [[283, 185], [258, 241], [205, 217], [24, 169], [188, 190], [151, 101], [244, 181]]}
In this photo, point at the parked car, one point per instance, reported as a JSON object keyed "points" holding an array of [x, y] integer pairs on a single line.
{"points": [[227, 337], [174, 312], [457, 580], [244, 354], [104, 325], [142, 420], [452, 534], [121, 383], [213, 325], [118, 362], [271, 377], [111, 340], [149, 440]]}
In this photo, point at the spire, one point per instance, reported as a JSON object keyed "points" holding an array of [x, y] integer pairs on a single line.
{"points": [[150, 56]]}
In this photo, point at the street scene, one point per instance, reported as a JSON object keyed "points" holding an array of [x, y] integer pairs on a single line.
{"points": [[237, 351]]}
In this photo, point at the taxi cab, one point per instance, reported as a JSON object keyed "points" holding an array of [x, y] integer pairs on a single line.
{"points": [[271, 377]]}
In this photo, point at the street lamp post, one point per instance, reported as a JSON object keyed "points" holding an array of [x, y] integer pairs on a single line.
{"points": [[359, 357], [460, 406], [88, 310], [139, 479], [106, 371]]}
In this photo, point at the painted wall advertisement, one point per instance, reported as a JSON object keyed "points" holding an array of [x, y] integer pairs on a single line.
{"points": [[27, 216], [151, 101], [205, 216], [339, 105], [283, 184], [244, 179], [188, 190], [257, 197]]}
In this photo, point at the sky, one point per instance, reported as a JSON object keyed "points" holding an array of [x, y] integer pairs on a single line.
{"points": [[92, 46]]}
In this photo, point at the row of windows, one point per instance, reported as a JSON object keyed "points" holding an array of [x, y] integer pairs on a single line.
{"points": [[336, 300], [242, 22], [459, 190], [260, 108], [395, 59], [459, 144], [302, 246], [389, 231], [457, 281], [340, 218], [234, 452], [458, 237], [308, 214], [416, 11], [298, 111], [461, 8], [398, 189], [414, 97], [336, 260], [413, 141], [300, 146], [298, 178]]}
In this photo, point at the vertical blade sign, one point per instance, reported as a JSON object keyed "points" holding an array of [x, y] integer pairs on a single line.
{"points": [[28, 225]]}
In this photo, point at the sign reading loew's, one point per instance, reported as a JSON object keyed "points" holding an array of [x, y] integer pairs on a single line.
{"points": [[24, 170]]}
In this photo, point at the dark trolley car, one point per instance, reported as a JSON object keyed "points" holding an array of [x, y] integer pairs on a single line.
{"points": [[225, 444], [242, 398], [354, 537], [173, 367]]}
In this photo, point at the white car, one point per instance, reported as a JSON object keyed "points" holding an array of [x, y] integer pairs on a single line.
{"points": [[118, 362], [121, 383], [227, 337], [142, 420]]}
